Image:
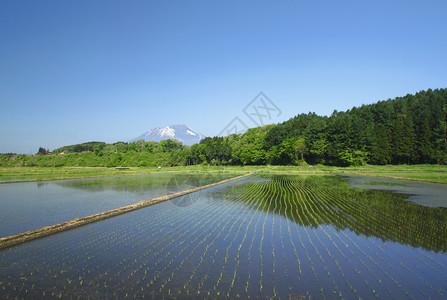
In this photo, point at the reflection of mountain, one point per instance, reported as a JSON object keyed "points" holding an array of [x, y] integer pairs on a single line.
{"points": [[316, 200]]}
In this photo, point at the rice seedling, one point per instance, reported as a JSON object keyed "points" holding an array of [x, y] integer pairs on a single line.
{"points": [[263, 236]]}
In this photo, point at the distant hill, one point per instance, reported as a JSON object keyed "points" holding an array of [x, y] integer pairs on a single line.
{"points": [[85, 147], [179, 132]]}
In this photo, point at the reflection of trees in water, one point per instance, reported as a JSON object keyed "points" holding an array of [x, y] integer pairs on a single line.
{"points": [[188, 183], [163, 183], [41, 184], [315, 200]]}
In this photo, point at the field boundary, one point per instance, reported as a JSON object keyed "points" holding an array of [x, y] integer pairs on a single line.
{"points": [[394, 177], [31, 235]]}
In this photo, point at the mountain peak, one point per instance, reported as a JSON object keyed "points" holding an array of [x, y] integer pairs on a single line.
{"points": [[179, 132]]}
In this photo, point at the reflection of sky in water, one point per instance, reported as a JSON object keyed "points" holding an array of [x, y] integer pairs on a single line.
{"points": [[422, 193], [30, 205], [229, 243]]}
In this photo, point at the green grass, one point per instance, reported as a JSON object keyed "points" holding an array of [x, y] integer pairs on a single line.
{"points": [[429, 173], [52, 173], [8, 174]]}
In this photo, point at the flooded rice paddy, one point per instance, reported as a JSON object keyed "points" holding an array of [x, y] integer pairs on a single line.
{"points": [[269, 236], [30, 205]]}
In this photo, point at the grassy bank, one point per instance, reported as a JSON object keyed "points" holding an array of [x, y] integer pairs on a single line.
{"points": [[13, 174], [430, 173]]}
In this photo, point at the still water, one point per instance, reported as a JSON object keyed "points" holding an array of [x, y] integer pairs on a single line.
{"points": [[288, 237], [31, 205]]}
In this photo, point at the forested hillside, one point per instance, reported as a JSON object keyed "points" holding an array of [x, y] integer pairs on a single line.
{"points": [[405, 130], [85, 147]]}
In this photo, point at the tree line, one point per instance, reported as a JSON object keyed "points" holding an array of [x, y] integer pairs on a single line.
{"points": [[406, 130]]}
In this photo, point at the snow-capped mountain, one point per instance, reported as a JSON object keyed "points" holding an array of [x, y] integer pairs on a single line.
{"points": [[182, 133]]}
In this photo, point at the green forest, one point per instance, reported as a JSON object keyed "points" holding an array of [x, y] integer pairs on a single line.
{"points": [[405, 130]]}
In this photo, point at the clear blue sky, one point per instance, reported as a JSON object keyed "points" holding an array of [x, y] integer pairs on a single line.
{"points": [[78, 71]]}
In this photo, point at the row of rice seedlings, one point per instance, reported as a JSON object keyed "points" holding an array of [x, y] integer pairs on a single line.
{"points": [[431, 259], [131, 274], [377, 279], [251, 245], [90, 259], [222, 231], [157, 245], [297, 194], [313, 203], [374, 274], [334, 242], [295, 201], [273, 247], [55, 257], [35, 271], [311, 216], [193, 251], [413, 272], [164, 262], [262, 202], [247, 195], [314, 212], [347, 281], [426, 265], [255, 195], [408, 269], [428, 260], [210, 244], [175, 251], [316, 208], [211, 265], [415, 225], [137, 266], [225, 214], [196, 239], [305, 228], [404, 270], [269, 202], [406, 292], [239, 215], [290, 197], [324, 210], [284, 265], [365, 265], [129, 262]]}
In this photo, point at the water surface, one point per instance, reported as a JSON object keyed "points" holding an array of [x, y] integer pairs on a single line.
{"points": [[260, 237], [422, 193], [30, 205]]}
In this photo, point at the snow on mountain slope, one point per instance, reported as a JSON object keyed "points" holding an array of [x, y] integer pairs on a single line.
{"points": [[180, 132]]}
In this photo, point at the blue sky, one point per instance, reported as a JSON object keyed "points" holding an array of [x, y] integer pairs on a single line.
{"points": [[72, 72]]}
